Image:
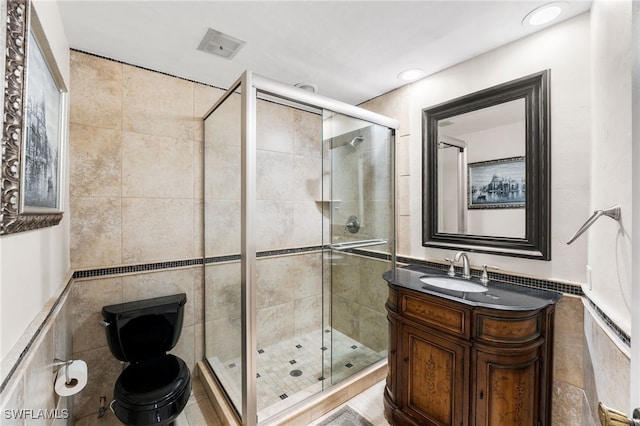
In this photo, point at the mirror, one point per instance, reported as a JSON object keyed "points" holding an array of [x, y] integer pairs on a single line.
{"points": [[486, 170]]}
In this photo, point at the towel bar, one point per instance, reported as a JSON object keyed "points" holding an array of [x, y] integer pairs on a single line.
{"points": [[613, 212]]}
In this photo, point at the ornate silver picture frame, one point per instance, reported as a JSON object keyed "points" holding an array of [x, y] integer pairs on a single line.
{"points": [[34, 126]]}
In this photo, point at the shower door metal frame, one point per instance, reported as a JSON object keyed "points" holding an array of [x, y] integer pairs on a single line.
{"points": [[461, 175], [250, 85]]}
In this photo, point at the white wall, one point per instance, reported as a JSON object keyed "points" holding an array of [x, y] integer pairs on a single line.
{"points": [[610, 251], [34, 263], [498, 142], [564, 49], [611, 173]]}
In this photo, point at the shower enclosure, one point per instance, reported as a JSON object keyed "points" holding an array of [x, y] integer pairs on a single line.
{"points": [[298, 229]]}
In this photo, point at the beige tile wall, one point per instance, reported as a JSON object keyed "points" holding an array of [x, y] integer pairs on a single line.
{"points": [[289, 301], [395, 104], [289, 170], [358, 300], [569, 399], [370, 162], [135, 164]]}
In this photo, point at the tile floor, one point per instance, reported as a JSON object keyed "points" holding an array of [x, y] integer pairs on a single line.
{"points": [[297, 368], [368, 404], [200, 412]]}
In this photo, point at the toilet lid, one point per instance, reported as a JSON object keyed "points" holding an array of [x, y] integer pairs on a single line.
{"points": [[147, 336], [144, 328], [152, 381]]}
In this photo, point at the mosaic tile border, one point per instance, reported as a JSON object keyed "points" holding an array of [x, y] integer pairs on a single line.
{"points": [[531, 282], [372, 254], [620, 333], [157, 266], [128, 269]]}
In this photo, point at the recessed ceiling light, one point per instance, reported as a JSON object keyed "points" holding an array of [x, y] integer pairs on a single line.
{"points": [[544, 14], [411, 75]]}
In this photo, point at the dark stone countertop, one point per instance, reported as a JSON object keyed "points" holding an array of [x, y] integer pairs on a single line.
{"points": [[500, 295]]}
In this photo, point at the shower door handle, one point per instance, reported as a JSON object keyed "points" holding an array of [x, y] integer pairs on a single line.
{"points": [[357, 244]]}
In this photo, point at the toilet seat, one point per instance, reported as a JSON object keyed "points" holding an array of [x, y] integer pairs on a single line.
{"points": [[152, 389]]}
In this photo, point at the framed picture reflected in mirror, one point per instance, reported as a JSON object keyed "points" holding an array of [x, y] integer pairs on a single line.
{"points": [[497, 184]]}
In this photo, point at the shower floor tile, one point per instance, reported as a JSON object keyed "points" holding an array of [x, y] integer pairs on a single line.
{"points": [[295, 369]]}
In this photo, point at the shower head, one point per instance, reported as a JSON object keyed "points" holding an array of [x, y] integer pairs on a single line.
{"points": [[353, 143]]}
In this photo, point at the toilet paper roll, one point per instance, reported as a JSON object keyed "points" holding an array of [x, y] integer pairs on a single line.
{"points": [[76, 380]]}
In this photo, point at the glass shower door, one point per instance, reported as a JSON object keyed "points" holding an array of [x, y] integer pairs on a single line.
{"points": [[222, 269], [359, 159], [298, 229], [289, 246]]}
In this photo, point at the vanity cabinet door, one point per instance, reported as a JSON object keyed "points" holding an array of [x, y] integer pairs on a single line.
{"points": [[436, 384], [507, 389]]}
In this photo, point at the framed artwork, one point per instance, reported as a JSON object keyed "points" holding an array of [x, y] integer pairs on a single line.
{"points": [[34, 128], [497, 184]]}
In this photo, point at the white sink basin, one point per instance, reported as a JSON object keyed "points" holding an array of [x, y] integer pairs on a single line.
{"points": [[454, 284]]}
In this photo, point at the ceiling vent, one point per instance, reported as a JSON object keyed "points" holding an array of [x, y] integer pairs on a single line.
{"points": [[220, 44]]}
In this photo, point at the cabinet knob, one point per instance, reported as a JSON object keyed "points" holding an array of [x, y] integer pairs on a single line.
{"points": [[481, 395]]}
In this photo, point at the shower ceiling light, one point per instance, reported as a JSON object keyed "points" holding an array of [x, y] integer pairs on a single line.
{"points": [[309, 87], [544, 14], [411, 74]]}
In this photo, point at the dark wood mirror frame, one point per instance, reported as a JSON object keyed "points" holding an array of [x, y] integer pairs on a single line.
{"points": [[536, 244]]}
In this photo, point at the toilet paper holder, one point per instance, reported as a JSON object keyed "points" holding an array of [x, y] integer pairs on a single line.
{"points": [[60, 363]]}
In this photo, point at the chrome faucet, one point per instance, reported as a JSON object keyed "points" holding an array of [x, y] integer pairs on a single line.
{"points": [[466, 271]]}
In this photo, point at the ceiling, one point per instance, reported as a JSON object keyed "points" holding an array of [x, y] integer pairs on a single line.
{"points": [[484, 119], [352, 50]]}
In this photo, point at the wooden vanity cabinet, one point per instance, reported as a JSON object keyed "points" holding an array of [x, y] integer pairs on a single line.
{"points": [[433, 374], [455, 364]]}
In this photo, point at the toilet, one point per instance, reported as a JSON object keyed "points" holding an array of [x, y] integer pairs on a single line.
{"points": [[155, 387]]}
